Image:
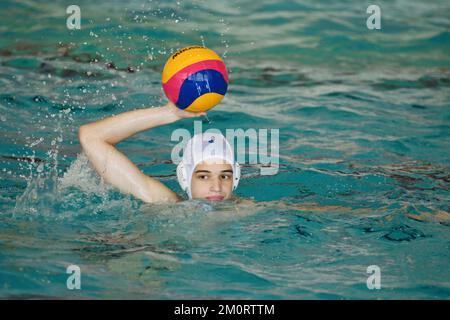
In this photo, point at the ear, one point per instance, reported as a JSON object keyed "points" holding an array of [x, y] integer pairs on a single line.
{"points": [[182, 176], [236, 175]]}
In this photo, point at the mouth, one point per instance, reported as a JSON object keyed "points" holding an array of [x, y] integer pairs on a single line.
{"points": [[215, 198]]}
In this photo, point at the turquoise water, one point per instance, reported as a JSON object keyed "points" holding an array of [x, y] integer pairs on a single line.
{"points": [[364, 119]]}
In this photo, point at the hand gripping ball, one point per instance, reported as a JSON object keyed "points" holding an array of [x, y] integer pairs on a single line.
{"points": [[195, 79]]}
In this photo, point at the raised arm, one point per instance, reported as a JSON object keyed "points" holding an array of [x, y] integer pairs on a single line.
{"points": [[98, 139]]}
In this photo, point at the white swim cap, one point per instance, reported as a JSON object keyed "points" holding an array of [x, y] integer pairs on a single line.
{"points": [[201, 147]]}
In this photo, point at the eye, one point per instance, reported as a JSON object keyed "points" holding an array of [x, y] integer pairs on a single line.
{"points": [[226, 176], [202, 177]]}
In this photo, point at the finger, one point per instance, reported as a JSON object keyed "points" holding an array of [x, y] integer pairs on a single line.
{"points": [[197, 114]]}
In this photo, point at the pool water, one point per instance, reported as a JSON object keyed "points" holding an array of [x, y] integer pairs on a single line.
{"points": [[363, 116]]}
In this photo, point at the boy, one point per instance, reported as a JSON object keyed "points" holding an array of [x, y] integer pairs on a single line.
{"points": [[207, 171]]}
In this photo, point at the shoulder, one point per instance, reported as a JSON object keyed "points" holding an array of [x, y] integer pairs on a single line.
{"points": [[245, 201], [156, 191]]}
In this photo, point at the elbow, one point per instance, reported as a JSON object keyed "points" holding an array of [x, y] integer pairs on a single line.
{"points": [[85, 135]]}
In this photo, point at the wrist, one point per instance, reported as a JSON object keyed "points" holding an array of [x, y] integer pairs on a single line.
{"points": [[171, 111]]}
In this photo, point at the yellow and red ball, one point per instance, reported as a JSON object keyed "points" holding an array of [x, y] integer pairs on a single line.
{"points": [[195, 79]]}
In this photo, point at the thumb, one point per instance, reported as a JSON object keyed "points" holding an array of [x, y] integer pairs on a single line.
{"points": [[199, 114]]}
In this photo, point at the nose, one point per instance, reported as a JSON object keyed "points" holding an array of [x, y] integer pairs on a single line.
{"points": [[216, 185]]}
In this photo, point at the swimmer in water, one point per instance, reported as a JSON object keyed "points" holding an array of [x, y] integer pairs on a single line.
{"points": [[207, 171]]}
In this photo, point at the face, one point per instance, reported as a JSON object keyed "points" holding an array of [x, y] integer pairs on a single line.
{"points": [[212, 180]]}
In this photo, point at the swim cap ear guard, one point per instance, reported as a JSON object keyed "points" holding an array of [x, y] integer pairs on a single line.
{"points": [[183, 180], [181, 175]]}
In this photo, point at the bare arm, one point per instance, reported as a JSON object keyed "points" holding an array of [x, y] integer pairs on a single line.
{"points": [[98, 139]]}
